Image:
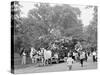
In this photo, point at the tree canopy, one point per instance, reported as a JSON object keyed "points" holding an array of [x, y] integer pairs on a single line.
{"points": [[45, 23]]}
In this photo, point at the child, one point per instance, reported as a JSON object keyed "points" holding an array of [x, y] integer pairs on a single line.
{"points": [[70, 62]]}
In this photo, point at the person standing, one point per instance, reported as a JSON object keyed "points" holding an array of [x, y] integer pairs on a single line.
{"points": [[94, 56], [70, 62], [74, 56], [86, 56], [23, 57], [82, 56], [88, 53]]}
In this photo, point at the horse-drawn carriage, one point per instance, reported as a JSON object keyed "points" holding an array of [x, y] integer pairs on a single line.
{"points": [[56, 52]]}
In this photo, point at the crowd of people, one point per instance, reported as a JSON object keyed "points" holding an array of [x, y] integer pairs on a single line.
{"points": [[76, 55]]}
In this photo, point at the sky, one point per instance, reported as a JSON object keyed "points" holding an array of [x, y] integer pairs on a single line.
{"points": [[86, 14]]}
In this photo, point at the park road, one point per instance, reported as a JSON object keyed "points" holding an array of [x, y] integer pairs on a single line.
{"points": [[58, 67]]}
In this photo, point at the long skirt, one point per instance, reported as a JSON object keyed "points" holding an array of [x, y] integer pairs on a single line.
{"points": [[23, 59]]}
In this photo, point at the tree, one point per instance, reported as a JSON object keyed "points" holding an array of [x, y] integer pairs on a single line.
{"points": [[92, 28], [46, 23], [15, 16], [90, 33], [58, 18]]}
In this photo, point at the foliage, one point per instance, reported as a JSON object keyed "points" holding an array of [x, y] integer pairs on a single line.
{"points": [[46, 23], [90, 33], [92, 28], [15, 16]]}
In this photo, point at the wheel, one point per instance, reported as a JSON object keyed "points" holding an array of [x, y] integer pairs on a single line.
{"points": [[49, 61], [57, 61]]}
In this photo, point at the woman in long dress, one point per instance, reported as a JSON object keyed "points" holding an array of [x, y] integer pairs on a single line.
{"points": [[23, 54]]}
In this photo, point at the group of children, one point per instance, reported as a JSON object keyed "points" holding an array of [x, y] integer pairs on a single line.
{"points": [[70, 60], [82, 57]]}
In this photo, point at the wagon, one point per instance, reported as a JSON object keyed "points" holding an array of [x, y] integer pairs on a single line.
{"points": [[53, 59]]}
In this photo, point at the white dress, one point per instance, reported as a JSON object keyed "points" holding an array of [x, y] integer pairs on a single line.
{"points": [[70, 61]]}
